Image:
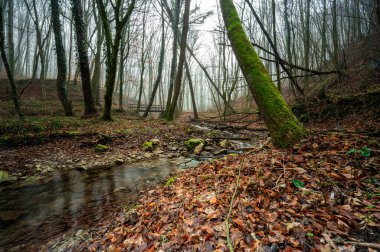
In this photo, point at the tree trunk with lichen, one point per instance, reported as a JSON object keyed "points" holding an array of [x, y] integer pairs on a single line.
{"points": [[112, 47], [61, 60], [89, 104], [283, 126]]}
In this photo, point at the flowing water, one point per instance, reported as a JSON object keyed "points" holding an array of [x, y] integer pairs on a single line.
{"points": [[32, 213]]}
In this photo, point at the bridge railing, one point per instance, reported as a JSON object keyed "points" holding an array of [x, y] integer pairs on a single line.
{"points": [[143, 107]]}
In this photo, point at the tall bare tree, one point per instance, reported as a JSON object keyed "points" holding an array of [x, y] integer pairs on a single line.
{"points": [[8, 67], [181, 61], [61, 59], [80, 31], [112, 47]]}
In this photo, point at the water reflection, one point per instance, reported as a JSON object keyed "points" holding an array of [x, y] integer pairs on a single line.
{"points": [[31, 213]]}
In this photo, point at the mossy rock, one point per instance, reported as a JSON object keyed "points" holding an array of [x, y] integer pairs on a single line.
{"points": [[5, 177], [193, 142], [190, 130], [214, 133], [199, 149], [148, 146], [224, 143], [101, 148]]}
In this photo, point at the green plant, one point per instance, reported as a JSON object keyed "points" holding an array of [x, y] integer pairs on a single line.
{"points": [[170, 181], [148, 146], [298, 183], [365, 151]]}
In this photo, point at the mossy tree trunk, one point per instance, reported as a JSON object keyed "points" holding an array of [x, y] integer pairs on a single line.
{"points": [[8, 67], [112, 47], [283, 126], [89, 104], [61, 60]]}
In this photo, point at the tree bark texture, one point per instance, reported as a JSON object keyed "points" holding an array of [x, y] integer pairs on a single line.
{"points": [[61, 60], [181, 61], [283, 126], [80, 31], [7, 67]]}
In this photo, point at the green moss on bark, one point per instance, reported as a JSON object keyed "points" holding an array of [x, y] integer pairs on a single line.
{"points": [[283, 126]]}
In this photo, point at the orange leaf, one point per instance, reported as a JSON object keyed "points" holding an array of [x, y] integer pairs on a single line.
{"points": [[213, 200]]}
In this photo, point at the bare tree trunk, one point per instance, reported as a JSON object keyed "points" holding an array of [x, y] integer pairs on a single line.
{"points": [[378, 12], [160, 65], [89, 105], [275, 44], [112, 48], [142, 62], [188, 74], [173, 66], [307, 42], [11, 46], [335, 35], [95, 82], [70, 51], [61, 60], [7, 67], [181, 61], [123, 58]]}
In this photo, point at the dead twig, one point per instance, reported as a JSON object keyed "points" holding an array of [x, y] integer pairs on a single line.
{"points": [[360, 244], [229, 244]]}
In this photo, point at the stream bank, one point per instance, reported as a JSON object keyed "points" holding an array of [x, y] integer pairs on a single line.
{"points": [[68, 200]]}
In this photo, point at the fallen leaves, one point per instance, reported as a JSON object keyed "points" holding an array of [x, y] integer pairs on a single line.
{"points": [[283, 202]]}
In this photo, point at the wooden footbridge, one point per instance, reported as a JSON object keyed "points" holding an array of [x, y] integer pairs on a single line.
{"points": [[143, 108]]}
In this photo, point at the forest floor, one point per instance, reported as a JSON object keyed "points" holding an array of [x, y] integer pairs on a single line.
{"points": [[321, 195]]}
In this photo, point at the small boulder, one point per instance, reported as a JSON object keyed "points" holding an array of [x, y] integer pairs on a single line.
{"points": [[147, 155], [5, 177], [198, 149], [119, 161], [224, 144], [193, 142], [155, 141], [220, 152]]}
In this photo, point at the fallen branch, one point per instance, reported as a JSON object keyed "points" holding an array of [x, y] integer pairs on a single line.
{"points": [[261, 147], [232, 138], [360, 244], [229, 244]]}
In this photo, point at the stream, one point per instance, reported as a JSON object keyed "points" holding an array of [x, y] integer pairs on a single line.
{"points": [[32, 213]]}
